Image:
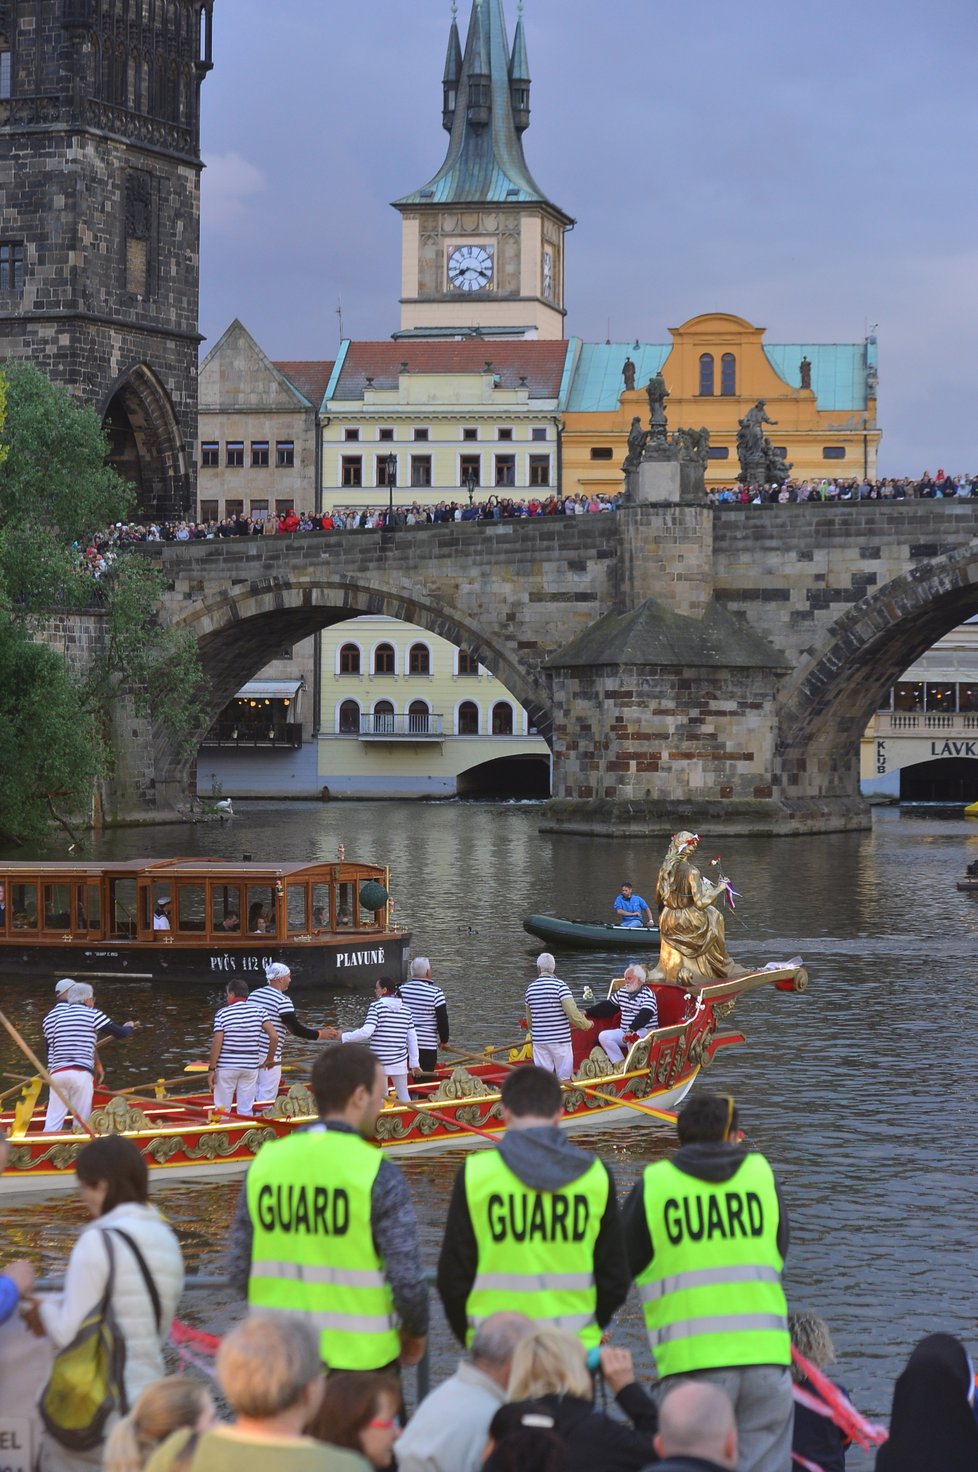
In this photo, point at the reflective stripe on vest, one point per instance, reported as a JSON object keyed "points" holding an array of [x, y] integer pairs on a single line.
{"points": [[312, 1249], [712, 1294], [535, 1248]]}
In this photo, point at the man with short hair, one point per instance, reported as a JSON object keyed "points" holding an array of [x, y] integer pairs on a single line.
{"points": [[706, 1235], [448, 1431], [239, 1050], [427, 1005], [71, 1030], [631, 911], [274, 1000], [324, 1226], [552, 1011], [697, 1430], [533, 1225]]}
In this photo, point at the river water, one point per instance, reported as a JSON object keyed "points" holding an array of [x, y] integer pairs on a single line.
{"points": [[861, 1091]]}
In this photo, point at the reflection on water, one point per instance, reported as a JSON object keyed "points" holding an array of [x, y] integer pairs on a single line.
{"points": [[859, 1091]]}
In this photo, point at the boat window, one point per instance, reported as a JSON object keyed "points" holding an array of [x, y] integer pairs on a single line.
{"points": [[344, 907], [23, 906], [3, 907], [122, 904], [190, 907], [320, 907], [57, 907], [297, 906], [261, 910], [226, 907], [88, 907]]}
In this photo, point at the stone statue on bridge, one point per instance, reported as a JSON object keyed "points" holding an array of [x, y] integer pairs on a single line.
{"points": [[694, 444], [750, 444], [692, 941], [657, 394], [637, 440]]}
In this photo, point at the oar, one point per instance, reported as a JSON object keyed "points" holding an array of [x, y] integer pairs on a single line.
{"points": [[469, 1054], [569, 1085], [156, 1103], [21, 1081], [36, 1063]]}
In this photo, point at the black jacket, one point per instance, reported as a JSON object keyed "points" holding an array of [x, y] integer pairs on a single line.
{"points": [[544, 1160], [594, 1440]]}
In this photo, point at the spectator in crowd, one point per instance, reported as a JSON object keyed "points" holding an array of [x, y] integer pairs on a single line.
{"points": [[697, 1430], [362, 1414], [113, 1183], [932, 1424], [550, 1367], [164, 1407], [448, 1431], [524, 1438], [17, 1278], [269, 1371], [816, 1437]]}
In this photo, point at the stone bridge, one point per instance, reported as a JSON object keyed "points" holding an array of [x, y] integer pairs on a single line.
{"points": [[690, 666]]}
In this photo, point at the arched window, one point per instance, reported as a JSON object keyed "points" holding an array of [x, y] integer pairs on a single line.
{"points": [[418, 718], [468, 718], [706, 374], [502, 719], [419, 660], [384, 717], [6, 68], [467, 662], [384, 660], [350, 659], [728, 375], [349, 719]]}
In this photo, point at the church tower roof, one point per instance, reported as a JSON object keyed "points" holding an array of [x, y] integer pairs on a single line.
{"points": [[486, 111]]}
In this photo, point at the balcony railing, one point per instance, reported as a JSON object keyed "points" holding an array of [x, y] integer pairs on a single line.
{"points": [[380, 727], [904, 723]]}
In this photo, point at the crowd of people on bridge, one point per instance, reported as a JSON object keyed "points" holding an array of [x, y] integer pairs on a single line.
{"points": [[926, 487], [537, 1258]]}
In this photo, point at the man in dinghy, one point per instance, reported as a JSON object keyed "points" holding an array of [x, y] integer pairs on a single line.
{"points": [[71, 1030], [631, 911]]}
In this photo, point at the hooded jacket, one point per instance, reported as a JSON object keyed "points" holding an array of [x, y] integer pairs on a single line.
{"points": [[544, 1160]]}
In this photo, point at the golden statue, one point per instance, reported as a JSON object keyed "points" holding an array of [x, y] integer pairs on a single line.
{"points": [[693, 946]]}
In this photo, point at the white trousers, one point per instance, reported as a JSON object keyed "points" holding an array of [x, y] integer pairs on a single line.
{"points": [[613, 1042], [557, 1058], [399, 1083], [268, 1082], [242, 1082], [77, 1085]]}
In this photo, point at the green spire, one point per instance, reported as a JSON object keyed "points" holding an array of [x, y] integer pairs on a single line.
{"points": [[490, 113], [453, 71]]}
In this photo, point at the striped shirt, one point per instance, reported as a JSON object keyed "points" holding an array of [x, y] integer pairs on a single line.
{"points": [[423, 999], [388, 1030], [245, 1044], [70, 1031], [631, 1003], [274, 1004], [548, 1020]]}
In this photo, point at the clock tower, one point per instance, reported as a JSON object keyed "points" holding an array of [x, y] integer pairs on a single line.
{"points": [[482, 246]]}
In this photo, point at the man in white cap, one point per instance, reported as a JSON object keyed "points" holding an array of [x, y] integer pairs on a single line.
{"points": [[161, 915], [279, 1007], [71, 1031]]}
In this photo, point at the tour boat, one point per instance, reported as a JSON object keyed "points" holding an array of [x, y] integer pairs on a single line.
{"points": [[183, 1138], [199, 920], [584, 935]]}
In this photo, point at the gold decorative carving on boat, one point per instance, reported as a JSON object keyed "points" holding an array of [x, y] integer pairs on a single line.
{"points": [[118, 1117], [61, 1156], [296, 1104], [461, 1085], [596, 1065]]}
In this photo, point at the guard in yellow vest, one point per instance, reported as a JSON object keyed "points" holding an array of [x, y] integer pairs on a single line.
{"points": [[534, 1225], [325, 1228], [706, 1235]]}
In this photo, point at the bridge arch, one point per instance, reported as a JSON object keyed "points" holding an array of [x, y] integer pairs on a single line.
{"points": [[826, 705], [146, 445], [241, 630]]}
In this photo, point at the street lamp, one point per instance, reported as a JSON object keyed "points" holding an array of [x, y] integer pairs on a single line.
{"points": [[391, 483], [470, 480]]}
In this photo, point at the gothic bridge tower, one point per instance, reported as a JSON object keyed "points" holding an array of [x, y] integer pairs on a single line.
{"points": [[482, 245], [99, 230]]}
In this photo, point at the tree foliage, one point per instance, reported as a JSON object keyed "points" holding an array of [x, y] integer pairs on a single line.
{"points": [[56, 492]]}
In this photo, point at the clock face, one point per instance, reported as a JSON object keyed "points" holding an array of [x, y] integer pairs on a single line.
{"points": [[470, 267], [548, 274]]}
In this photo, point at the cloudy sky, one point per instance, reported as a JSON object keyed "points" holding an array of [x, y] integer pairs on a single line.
{"points": [[810, 166]]}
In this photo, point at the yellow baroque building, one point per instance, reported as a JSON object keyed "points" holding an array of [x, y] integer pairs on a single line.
{"points": [[822, 397]]}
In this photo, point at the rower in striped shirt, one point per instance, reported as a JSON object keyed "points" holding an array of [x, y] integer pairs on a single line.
{"points": [[389, 1032], [71, 1030], [639, 1012], [429, 1010], [280, 1008], [243, 1041], [552, 1012]]}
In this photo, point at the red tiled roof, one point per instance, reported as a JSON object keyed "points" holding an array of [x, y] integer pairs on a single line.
{"points": [[310, 378], [541, 363]]}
